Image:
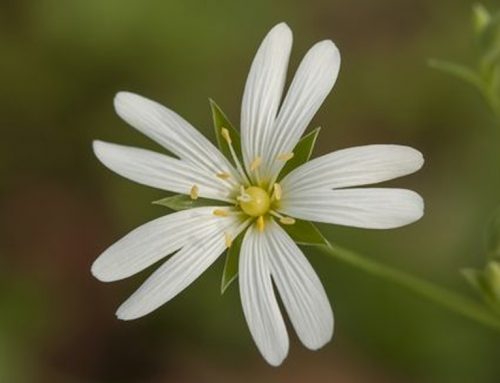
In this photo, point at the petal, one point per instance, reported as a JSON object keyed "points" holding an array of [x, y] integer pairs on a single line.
{"points": [[160, 171], [371, 208], [259, 303], [180, 270], [263, 90], [153, 241], [172, 132], [313, 81], [300, 289], [362, 165]]}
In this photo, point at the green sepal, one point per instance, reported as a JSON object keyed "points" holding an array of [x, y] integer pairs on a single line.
{"points": [[305, 233], [220, 121], [302, 152], [230, 272], [182, 202]]}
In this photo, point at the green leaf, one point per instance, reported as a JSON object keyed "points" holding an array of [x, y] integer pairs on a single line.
{"points": [[220, 121], [481, 18], [182, 202], [231, 264], [459, 71], [305, 233], [302, 152]]}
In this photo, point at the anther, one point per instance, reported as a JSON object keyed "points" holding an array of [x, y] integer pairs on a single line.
{"points": [[225, 134], [194, 192], [255, 163], [285, 156], [278, 192], [287, 220], [228, 239], [260, 223], [223, 175], [220, 213]]}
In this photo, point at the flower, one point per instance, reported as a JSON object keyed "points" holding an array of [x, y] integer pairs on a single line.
{"points": [[257, 205]]}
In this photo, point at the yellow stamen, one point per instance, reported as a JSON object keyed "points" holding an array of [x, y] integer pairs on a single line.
{"points": [[220, 213], [287, 220], [285, 156], [225, 134], [229, 239], [255, 163], [278, 192], [223, 175], [260, 223], [194, 192]]}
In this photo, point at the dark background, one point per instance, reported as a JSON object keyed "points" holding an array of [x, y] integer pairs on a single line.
{"points": [[61, 62]]}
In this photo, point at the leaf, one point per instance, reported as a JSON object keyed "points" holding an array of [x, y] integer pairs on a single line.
{"points": [[230, 272], [305, 233], [302, 152], [220, 121], [459, 71], [481, 18], [182, 202]]}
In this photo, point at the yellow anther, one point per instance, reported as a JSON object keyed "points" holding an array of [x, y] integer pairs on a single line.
{"points": [[223, 175], [194, 192], [225, 134], [285, 156], [278, 192], [261, 223], [255, 163], [287, 220], [228, 239], [220, 213]]}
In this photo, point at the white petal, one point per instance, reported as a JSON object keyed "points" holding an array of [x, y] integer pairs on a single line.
{"points": [[180, 270], [371, 208], [259, 303], [300, 289], [172, 132], [362, 165], [313, 81], [153, 241], [263, 90], [160, 171]]}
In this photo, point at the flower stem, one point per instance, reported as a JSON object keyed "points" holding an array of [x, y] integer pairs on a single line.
{"points": [[440, 295]]}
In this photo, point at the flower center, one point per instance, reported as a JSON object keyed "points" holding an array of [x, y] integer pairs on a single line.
{"points": [[254, 201]]}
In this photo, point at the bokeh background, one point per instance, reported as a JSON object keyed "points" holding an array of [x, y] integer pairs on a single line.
{"points": [[60, 66]]}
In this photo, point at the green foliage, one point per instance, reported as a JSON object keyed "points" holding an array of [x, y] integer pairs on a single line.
{"points": [[302, 152], [230, 272], [485, 76], [220, 121], [182, 202], [486, 282]]}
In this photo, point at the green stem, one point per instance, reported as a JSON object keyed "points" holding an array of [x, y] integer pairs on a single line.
{"points": [[440, 295]]}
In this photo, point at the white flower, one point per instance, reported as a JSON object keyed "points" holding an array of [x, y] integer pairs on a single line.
{"points": [[319, 190]]}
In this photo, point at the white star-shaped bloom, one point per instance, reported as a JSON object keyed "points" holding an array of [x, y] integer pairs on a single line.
{"points": [[257, 202]]}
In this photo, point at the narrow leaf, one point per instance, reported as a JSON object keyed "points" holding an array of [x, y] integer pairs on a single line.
{"points": [[182, 202], [302, 152], [457, 70], [230, 271], [305, 233], [220, 121]]}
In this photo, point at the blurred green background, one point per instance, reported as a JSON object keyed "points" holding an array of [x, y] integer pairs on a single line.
{"points": [[61, 62]]}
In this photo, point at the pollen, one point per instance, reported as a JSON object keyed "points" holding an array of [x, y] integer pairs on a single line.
{"points": [[278, 192], [287, 220], [261, 223], [255, 163], [194, 192], [223, 175], [285, 156], [225, 134], [220, 213], [228, 239]]}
